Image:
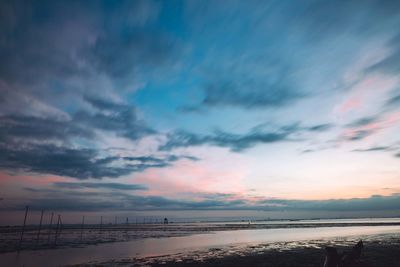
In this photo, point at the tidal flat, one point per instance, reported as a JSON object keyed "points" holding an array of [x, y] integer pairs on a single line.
{"points": [[263, 243]]}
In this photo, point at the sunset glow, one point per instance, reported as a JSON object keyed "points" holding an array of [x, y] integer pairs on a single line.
{"points": [[178, 106]]}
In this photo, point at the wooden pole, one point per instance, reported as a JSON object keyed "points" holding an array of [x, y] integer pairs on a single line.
{"points": [[23, 227], [83, 223], [50, 225], [61, 227], [40, 228], [58, 224]]}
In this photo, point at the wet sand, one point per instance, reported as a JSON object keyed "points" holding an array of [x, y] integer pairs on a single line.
{"points": [[72, 236], [379, 251], [204, 244]]}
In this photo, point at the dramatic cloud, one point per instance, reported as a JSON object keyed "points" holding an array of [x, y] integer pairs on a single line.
{"points": [[75, 163], [363, 122], [50, 159], [91, 89], [104, 36], [117, 118], [253, 93], [121, 201], [232, 141], [239, 142], [26, 128], [375, 202], [390, 148], [360, 129], [112, 186]]}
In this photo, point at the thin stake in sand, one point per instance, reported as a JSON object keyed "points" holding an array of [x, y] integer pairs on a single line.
{"points": [[23, 227], [40, 228], [50, 225]]}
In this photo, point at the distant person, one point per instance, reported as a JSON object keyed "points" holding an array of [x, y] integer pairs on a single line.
{"points": [[165, 221]]}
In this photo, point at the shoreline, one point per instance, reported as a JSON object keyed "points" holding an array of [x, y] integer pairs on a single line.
{"points": [[223, 248], [70, 236], [379, 251]]}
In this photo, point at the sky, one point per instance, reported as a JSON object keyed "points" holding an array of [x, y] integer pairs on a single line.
{"points": [[200, 108]]}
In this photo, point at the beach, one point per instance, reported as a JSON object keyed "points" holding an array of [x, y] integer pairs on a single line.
{"points": [[263, 243], [380, 251]]}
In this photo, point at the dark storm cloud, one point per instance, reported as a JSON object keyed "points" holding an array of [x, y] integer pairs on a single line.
{"points": [[372, 203], [147, 162], [111, 37], [239, 142], [54, 52], [59, 63], [113, 186], [39, 53], [43, 145], [30, 128], [50, 159], [28, 143], [76, 163], [120, 200], [110, 116], [160, 161], [233, 141], [97, 201]]}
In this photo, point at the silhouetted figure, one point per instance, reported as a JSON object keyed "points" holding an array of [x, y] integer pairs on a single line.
{"points": [[165, 221], [332, 258], [351, 259]]}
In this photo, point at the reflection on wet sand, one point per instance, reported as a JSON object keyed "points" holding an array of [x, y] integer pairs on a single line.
{"points": [[242, 241]]}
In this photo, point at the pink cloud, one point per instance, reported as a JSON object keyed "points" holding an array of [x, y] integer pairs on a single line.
{"points": [[209, 175], [386, 121], [350, 104], [369, 92], [29, 180]]}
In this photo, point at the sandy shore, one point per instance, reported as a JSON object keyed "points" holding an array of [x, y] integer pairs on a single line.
{"points": [[381, 248], [73, 236], [379, 251]]}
